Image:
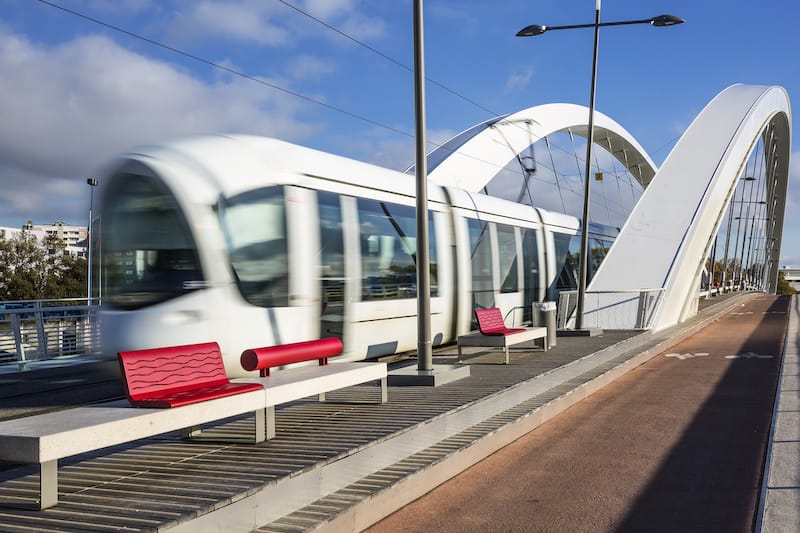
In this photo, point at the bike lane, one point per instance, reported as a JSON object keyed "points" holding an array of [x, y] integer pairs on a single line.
{"points": [[676, 444]]}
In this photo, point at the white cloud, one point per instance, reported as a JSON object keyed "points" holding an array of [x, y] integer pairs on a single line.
{"points": [[246, 21], [306, 67], [519, 79], [347, 16], [271, 23], [123, 6], [68, 108]]}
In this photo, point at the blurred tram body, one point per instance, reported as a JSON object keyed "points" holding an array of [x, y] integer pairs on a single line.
{"points": [[252, 241]]}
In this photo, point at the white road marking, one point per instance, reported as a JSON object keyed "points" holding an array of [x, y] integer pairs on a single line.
{"points": [[683, 356], [748, 355]]}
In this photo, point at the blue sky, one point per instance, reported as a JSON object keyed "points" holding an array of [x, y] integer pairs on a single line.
{"points": [[76, 92]]}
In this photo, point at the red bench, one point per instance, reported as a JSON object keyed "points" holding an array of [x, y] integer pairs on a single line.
{"points": [[298, 382], [177, 375], [493, 333]]}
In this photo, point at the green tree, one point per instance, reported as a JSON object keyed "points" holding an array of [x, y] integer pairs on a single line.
{"points": [[32, 271], [783, 285]]}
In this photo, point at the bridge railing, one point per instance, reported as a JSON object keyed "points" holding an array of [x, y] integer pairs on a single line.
{"points": [[627, 309], [40, 330]]}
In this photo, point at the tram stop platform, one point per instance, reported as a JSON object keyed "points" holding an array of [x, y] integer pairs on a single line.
{"points": [[340, 465]]}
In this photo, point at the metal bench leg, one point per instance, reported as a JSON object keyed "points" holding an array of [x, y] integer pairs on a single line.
{"points": [[269, 413], [505, 349], [48, 484], [191, 431], [459, 353], [261, 426], [322, 396]]}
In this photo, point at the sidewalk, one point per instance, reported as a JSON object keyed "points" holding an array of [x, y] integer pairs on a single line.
{"points": [[780, 495]]}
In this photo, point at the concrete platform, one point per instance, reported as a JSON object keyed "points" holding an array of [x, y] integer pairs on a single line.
{"points": [[339, 465]]}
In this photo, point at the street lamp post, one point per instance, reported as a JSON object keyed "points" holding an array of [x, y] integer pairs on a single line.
{"points": [[535, 29], [92, 183], [424, 344], [426, 373]]}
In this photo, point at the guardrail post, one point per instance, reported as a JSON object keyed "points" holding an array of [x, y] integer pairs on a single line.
{"points": [[40, 331], [15, 330], [641, 312]]}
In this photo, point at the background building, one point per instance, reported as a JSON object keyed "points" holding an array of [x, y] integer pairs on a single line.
{"points": [[74, 237], [792, 276]]}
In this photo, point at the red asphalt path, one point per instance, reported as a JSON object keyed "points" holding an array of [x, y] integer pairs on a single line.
{"points": [[676, 444]]}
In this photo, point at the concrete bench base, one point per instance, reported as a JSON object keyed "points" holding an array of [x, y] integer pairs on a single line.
{"points": [[478, 339], [46, 438]]}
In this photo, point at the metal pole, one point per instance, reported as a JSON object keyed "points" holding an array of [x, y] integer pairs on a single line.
{"points": [[424, 345], [92, 183], [585, 259], [713, 260], [724, 275], [738, 234]]}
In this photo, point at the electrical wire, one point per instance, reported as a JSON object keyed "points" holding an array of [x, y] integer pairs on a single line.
{"points": [[387, 57]]}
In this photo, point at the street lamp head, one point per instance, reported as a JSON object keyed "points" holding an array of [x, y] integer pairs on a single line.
{"points": [[92, 182], [532, 30], [666, 20]]}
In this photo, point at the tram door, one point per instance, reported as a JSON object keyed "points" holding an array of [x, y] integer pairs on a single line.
{"points": [[331, 266], [481, 262]]}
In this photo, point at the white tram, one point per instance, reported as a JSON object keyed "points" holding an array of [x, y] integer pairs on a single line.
{"points": [[252, 241]]}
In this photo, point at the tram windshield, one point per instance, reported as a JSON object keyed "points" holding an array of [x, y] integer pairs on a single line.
{"points": [[149, 255], [254, 224]]}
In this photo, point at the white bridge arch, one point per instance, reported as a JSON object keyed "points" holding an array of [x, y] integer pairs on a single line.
{"points": [[670, 231], [472, 158], [668, 235]]}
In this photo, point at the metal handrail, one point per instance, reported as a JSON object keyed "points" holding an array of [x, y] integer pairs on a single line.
{"points": [[625, 317], [41, 330]]}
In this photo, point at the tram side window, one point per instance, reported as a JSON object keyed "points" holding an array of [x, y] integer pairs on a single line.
{"points": [[331, 258], [530, 260], [388, 239], [254, 224], [481, 262], [567, 249], [507, 250], [149, 253]]}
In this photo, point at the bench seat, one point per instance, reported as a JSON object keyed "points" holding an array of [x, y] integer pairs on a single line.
{"points": [[478, 339]]}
